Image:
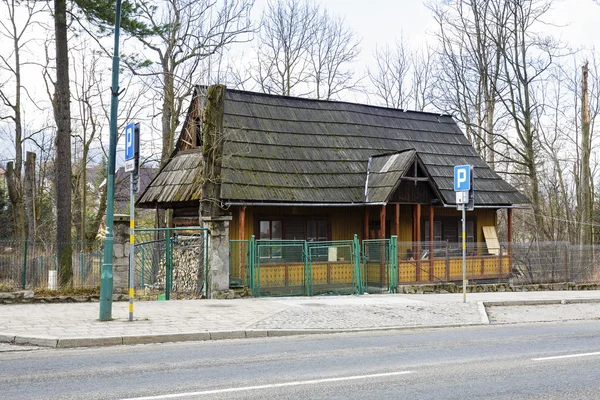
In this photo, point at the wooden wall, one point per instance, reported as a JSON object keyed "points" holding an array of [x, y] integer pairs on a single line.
{"points": [[344, 222]]}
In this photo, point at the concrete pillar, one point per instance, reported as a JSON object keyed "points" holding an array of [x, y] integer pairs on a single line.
{"points": [[218, 256], [121, 253]]}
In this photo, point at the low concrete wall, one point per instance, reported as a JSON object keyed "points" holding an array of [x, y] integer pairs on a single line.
{"points": [[27, 296], [495, 287]]}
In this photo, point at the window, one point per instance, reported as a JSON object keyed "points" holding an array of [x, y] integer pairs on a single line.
{"points": [[448, 229], [470, 231], [270, 230], [316, 230], [437, 231]]}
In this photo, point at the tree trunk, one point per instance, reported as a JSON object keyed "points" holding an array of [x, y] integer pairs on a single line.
{"points": [[15, 195], [62, 115], [212, 151], [94, 228], [585, 229], [30, 196]]}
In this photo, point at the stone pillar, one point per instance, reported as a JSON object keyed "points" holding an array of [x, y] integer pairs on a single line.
{"points": [[121, 253], [218, 256]]}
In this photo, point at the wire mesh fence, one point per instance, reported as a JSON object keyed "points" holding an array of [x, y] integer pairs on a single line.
{"points": [[170, 261], [554, 262], [26, 265], [280, 268], [442, 262], [333, 267]]}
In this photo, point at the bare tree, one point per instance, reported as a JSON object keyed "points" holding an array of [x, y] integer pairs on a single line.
{"points": [[525, 57], [284, 42], [585, 235], [30, 195], [14, 29], [469, 31], [422, 79], [334, 47], [62, 163], [391, 75], [183, 33]]}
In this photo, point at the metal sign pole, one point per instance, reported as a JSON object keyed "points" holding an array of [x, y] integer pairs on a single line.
{"points": [[131, 243], [464, 253]]}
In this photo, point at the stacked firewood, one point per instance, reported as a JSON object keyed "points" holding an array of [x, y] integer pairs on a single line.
{"points": [[188, 266]]}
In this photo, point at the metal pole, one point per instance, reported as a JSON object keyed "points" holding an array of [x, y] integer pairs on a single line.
{"points": [[168, 265], [143, 266], [131, 243], [464, 253], [106, 280]]}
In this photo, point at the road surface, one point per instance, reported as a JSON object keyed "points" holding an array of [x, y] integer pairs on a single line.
{"points": [[537, 361]]}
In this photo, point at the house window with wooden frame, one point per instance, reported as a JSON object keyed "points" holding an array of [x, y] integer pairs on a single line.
{"points": [[437, 233], [449, 229], [270, 230], [470, 233], [316, 231]]}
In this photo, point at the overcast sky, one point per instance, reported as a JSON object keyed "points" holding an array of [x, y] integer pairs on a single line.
{"points": [[381, 22]]}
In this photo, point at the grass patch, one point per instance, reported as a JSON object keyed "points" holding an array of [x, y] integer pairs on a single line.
{"points": [[5, 287], [83, 291]]}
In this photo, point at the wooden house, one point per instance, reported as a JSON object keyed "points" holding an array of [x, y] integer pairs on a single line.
{"points": [[294, 168]]}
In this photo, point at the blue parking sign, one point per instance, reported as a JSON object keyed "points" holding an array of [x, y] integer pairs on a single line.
{"points": [[462, 178], [129, 142]]}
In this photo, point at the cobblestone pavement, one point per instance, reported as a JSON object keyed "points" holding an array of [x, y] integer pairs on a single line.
{"points": [[265, 316]]}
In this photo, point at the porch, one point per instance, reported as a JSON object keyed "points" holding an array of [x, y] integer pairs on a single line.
{"points": [[298, 267]]}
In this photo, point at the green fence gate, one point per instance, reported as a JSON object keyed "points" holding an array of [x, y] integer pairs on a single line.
{"points": [[299, 267], [171, 261], [380, 265]]}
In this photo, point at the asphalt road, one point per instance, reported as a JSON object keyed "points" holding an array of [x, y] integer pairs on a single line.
{"points": [[496, 362]]}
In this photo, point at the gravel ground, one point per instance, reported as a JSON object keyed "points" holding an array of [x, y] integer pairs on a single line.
{"points": [[543, 313], [322, 316]]}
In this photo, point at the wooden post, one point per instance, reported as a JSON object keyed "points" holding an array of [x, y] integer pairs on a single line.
{"points": [[366, 228], [509, 212], [418, 237], [242, 235], [447, 262], [431, 238], [382, 222], [382, 272], [414, 232], [397, 221]]}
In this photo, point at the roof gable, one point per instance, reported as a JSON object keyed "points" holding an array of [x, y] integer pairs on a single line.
{"points": [[285, 149]]}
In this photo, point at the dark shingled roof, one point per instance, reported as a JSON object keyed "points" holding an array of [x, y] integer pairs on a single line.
{"points": [[285, 149], [178, 181], [384, 173]]}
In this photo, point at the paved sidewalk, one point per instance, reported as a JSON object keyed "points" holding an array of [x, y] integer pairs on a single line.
{"points": [[77, 324]]}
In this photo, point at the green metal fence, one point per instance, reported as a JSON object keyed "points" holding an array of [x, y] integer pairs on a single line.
{"points": [[171, 261], [26, 265], [300, 267], [380, 265]]}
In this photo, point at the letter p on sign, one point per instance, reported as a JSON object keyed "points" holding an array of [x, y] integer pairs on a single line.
{"points": [[462, 178]]}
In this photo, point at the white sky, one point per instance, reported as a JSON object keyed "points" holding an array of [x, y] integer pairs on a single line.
{"points": [[377, 22]]}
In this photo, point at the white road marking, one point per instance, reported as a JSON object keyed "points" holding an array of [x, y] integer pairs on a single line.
{"points": [[274, 385], [567, 356]]}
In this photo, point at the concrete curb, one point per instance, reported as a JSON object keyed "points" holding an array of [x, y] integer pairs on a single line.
{"points": [[509, 303], [485, 319], [42, 341], [72, 342]]}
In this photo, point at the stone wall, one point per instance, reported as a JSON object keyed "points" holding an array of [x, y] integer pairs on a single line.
{"points": [[218, 255], [121, 252]]}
